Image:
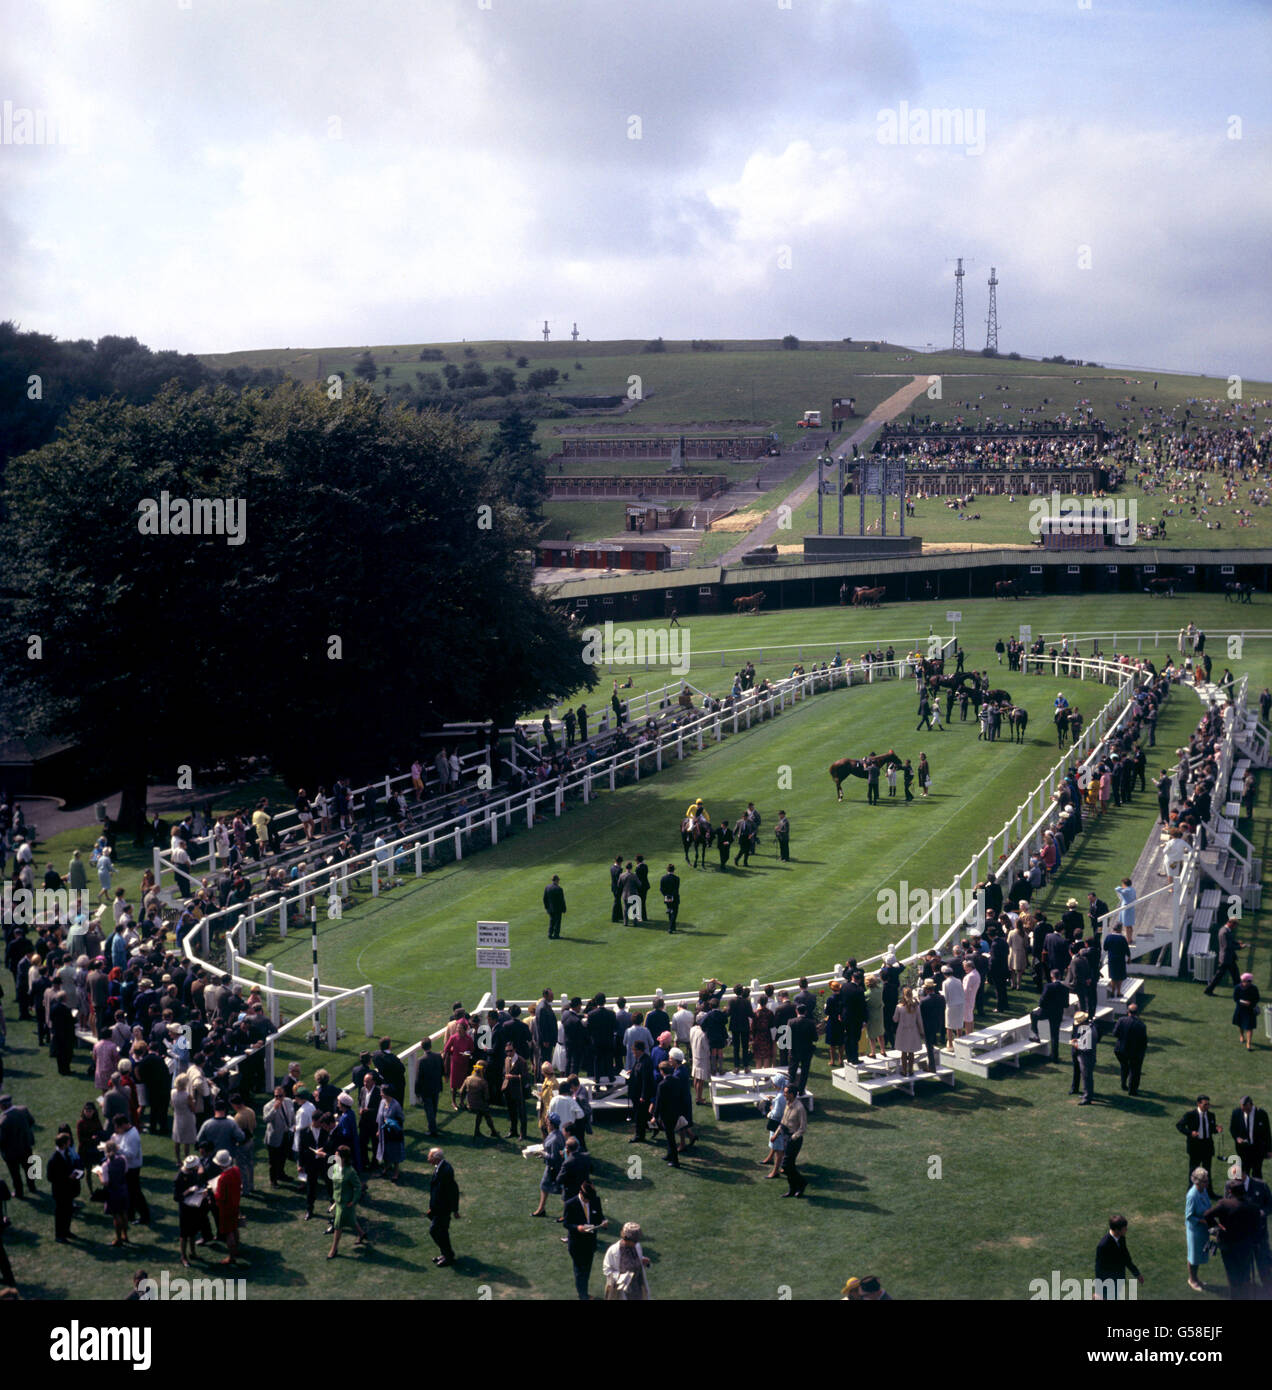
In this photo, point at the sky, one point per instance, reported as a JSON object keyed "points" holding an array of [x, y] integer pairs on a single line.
{"points": [[216, 175]]}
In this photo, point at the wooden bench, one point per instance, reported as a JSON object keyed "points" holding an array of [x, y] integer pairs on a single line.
{"points": [[1131, 986], [869, 1077], [999, 1044], [754, 1089]]}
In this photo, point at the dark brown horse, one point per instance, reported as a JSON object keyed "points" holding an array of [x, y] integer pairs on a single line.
{"points": [[1018, 721], [1006, 588], [860, 767]]}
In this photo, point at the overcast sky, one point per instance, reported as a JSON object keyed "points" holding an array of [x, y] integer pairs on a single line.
{"points": [[233, 174]]}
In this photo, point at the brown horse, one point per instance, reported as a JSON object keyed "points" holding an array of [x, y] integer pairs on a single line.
{"points": [[860, 767], [1018, 722], [748, 603], [1006, 588], [867, 598]]}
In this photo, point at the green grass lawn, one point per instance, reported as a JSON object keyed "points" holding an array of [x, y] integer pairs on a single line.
{"points": [[981, 1223]]}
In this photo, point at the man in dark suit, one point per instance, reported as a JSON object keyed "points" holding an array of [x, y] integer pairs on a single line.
{"points": [[1130, 1043], [669, 887], [428, 1083], [392, 1072], [1199, 1129], [616, 873], [853, 1012], [576, 1169], [311, 1160], [1226, 950], [63, 1187], [62, 1032], [1082, 981], [574, 1035], [443, 1206], [554, 906], [546, 1030], [1051, 1006], [583, 1218], [640, 1089], [1251, 1133], [1097, 909], [17, 1142], [803, 1040], [1056, 951], [1238, 1223], [1113, 1261], [600, 1036], [642, 885]]}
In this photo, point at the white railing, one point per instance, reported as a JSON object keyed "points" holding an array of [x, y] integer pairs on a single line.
{"points": [[333, 879], [1104, 724]]}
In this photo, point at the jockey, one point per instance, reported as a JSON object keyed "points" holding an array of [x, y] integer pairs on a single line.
{"points": [[697, 809], [1061, 702]]}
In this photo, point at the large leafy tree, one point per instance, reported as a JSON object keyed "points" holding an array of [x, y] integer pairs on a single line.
{"points": [[518, 465], [382, 587]]}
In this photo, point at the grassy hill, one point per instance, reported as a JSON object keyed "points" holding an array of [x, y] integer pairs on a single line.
{"points": [[758, 384]]}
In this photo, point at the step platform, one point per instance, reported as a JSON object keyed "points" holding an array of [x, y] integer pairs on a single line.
{"points": [[1001, 1044], [755, 1090], [867, 1078]]}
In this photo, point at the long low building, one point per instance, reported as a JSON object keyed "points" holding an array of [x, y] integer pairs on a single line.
{"points": [[655, 486]]}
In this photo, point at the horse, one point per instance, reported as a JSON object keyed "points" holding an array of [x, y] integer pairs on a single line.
{"points": [[859, 767], [997, 697], [1157, 587], [1236, 592], [1006, 588], [867, 598], [748, 603], [1018, 722], [695, 831]]}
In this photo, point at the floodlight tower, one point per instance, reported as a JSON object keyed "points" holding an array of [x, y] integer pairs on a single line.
{"points": [[991, 323], [959, 272], [545, 330], [575, 333]]}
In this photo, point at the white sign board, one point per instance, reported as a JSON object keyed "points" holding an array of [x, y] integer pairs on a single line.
{"points": [[492, 934], [492, 958], [954, 616], [1026, 632]]}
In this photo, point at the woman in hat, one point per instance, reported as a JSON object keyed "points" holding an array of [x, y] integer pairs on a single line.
{"points": [[476, 1094], [227, 1189], [1196, 1204], [834, 1023], [348, 1193], [874, 1016], [547, 1091], [1246, 1013], [553, 1158], [191, 1195], [624, 1267]]}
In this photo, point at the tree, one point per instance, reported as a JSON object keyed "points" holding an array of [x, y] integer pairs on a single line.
{"points": [[514, 456], [365, 369], [791, 343], [421, 611], [451, 372], [542, 378], [655, 345], [505, 381], [474, 374], [523, 361]]}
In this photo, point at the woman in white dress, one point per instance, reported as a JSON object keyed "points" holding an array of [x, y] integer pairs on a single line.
{"points": [[700, 1050], [624, 1268], [952, 991], [184, 1128], [971, 989]]}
